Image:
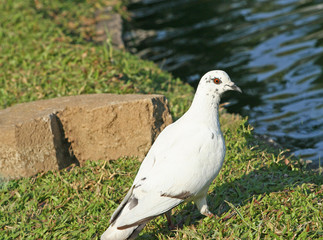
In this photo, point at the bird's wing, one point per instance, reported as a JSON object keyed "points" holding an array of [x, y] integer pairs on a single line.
{"points": [[143, 206], [121, 206], [174, 177], [145, 167], [164, 141]]}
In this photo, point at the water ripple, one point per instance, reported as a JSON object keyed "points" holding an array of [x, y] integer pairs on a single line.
{"points": [[272, 49]]}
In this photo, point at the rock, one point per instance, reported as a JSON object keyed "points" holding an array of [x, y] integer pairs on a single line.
{"points": [[31, 140], [51, 134], [112, 126], [109, 25]]}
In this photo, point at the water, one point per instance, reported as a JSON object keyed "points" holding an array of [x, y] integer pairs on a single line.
{"points": [[273, 50]]}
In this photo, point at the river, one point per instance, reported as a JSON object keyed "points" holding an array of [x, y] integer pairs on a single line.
{"points": [[273, 50]]}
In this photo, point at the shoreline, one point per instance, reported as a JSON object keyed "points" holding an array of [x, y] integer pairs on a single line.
{"points": [[112, 19], [47, 51]]}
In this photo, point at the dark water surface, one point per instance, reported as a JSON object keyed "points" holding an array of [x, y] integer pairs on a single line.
{"points": [[273, 50]]}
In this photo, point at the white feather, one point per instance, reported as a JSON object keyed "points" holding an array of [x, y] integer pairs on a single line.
{"points": [[180, 165]]}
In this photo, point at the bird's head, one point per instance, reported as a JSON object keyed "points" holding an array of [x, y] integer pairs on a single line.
{"points": [[217, 82]]}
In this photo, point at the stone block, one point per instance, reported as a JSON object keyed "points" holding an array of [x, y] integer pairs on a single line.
{"points": [[51, 134], [109, 25]]}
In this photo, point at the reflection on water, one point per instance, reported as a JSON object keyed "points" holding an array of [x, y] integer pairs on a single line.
{"points": [[273, 50]]}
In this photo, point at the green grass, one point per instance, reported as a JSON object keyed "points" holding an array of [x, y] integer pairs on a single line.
{"points": [[257, 195], [46, 51]]}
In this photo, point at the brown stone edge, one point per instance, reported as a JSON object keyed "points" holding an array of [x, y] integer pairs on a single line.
{"points": [[109, 27]]}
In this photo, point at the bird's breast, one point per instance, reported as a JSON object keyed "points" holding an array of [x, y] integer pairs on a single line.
{"points": [[212, 156], [187, 162], [207, 163]]}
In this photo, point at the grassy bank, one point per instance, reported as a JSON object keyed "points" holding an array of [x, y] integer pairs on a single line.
{"points": [[46, 51]]}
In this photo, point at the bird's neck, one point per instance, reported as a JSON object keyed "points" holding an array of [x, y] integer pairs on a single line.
{"points": [[204, 109]]}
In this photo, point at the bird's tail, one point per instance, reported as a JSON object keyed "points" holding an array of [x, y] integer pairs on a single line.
{"points": [[113, 233]]}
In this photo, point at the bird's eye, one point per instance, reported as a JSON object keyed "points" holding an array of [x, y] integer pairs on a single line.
{"points": [[217, 81]]}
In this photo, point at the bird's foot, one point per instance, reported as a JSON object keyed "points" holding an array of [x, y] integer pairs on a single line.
{"points": [[209, 214], [171, 225]]}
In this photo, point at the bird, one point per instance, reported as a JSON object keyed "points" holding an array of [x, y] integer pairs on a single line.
{"points": [[180, 165]]}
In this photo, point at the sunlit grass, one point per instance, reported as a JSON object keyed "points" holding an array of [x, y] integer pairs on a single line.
{"points": [[257, 195], [44, 56], [46, 51]]}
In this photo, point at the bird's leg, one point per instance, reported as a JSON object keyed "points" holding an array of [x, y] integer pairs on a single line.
{"points": [[169, 220], [208, 213], [203, 207]]}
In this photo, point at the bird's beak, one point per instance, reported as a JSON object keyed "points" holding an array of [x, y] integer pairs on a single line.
{"points": [[235, 88]]}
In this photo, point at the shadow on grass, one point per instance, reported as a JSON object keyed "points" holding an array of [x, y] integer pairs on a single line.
{"points": [[267, 172], [274, 177]]}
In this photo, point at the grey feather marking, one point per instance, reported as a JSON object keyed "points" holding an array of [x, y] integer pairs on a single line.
{"points": [[183, 195], [133, 201]]}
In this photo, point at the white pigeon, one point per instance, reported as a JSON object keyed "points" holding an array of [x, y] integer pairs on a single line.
{"points": [[180, 165]]}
